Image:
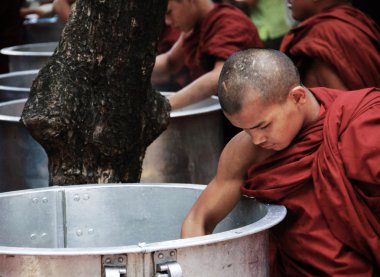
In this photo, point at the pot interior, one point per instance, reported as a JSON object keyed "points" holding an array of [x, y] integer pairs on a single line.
{"points": [[106, 216]]}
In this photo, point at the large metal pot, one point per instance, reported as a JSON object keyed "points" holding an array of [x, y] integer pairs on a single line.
{"points": [[187, 152], [23, 162], [38, 30], [127, 230], [29, 56], [16, 85]]}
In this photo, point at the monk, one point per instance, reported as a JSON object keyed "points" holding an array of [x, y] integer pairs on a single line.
{"points": [[210, 34], [335, 45], [303, 148]]}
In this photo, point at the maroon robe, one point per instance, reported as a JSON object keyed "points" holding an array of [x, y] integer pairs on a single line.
{"points": [[224, 31], [168, 37], [329, 180], [342, 37]]}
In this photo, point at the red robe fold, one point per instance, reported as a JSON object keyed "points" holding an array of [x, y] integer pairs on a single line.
{"points": [[329, 180], [342, 37], [168, 37], [224, 31]]}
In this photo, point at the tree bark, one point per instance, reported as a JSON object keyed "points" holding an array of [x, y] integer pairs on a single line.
{"points": [[92, 107]]}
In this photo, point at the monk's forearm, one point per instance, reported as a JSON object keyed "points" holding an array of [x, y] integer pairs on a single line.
{"points": [[192, 228], [202, 88], [161, 70], [62, 8], [223, 192], [168, 64], [251, 3]]}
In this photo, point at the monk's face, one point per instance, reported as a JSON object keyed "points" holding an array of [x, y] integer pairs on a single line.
{"points": [[270, 126], [180, 14], [302, 9]]}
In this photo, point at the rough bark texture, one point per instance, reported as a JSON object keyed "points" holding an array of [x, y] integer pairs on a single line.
{"points": [[92, 107]]}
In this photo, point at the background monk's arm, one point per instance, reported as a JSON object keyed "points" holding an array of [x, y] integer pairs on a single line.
{"points": [[223, 192], [63, 8], [251, 3], [321, 74], [168, 63], [201, 88]]}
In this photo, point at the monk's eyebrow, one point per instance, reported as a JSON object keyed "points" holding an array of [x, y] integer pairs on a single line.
{"points": [[257, 125]]}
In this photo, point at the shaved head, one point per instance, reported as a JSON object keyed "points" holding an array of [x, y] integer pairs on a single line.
{"points": [[263, 74]]}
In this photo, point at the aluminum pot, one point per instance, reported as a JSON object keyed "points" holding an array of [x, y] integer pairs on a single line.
{"points": [[187, 152], [38, 30], [29, 56], [23, 162], [127, 230], [16, 85]]}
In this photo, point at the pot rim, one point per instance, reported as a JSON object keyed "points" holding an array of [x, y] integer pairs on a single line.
{"points": [[15, 50], [193, 109], [275, 214], [15, 74], [187, 111]]}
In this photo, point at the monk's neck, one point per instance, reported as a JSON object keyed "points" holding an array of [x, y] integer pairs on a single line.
{"points": [[312, 110], [204, 7]]}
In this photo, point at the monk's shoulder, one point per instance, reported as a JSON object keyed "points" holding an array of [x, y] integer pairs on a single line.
{"points": [[241, 148], [227, 16]]}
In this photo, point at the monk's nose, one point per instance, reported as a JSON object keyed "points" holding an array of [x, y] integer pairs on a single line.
{"points": [[257, 137], [168, 20]]}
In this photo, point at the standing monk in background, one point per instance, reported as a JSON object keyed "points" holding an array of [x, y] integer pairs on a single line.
{"points": [[305, 149], [270, 17], [210, 34], [335, 45]]}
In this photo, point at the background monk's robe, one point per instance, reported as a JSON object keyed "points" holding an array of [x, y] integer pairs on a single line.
{"points": [[223, 32], [168, 37], [329, 180], [342, 37]]}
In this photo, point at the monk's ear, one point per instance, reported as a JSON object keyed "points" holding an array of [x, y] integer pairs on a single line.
{"points": [[297, 95]]}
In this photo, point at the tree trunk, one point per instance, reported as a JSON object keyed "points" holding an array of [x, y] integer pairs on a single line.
{"points": [[92, 107]]}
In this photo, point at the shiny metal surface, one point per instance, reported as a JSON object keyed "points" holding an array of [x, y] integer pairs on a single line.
{"points": [[29, 56], [67, 231], [16, 85], [187, 152], [23, 162]]}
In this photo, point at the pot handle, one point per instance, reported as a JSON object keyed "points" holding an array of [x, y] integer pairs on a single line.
{"points": [[115, 272], [170, 269], [114, 265]]}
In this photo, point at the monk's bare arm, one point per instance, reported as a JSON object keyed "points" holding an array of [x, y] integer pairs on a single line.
{"points": [[223, 192], [201, 88], [63, 8], [168, 63], [251, 3], [321, 74]]}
